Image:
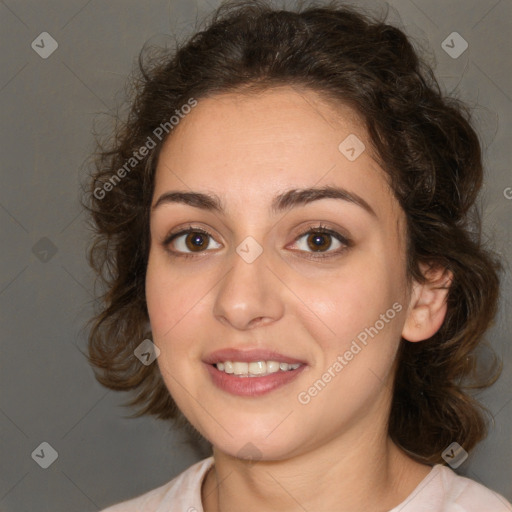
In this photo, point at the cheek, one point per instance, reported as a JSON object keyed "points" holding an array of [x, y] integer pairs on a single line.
{"points": [[347, 300], [357, 312], [165, 312], [160, 302], [171, 297], [177, 305], [167, 309]]}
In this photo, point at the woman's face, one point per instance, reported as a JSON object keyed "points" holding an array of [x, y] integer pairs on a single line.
{"points": [[264, 285]]}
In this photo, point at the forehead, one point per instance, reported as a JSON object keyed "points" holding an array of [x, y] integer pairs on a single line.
{"points": [[250, 147]]}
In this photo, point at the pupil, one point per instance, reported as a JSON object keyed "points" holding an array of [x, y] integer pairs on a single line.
{"points": [[197, 240], [319, 242]]}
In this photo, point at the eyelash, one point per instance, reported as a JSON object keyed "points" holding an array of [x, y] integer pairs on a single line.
{"points": [[316, 229]]}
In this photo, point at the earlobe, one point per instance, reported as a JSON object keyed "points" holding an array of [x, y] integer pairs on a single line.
{"points": [[427, 306]]}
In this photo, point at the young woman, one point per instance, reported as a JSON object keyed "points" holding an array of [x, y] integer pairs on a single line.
{"points": [[285, 221]]}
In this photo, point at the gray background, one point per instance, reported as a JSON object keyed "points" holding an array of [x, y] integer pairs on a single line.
{"points": [[48, 106]]}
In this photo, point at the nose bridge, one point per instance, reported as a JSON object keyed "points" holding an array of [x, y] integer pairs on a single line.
{"points": [[248, 291]]}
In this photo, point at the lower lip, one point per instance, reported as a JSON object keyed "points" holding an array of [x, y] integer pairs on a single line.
{"points": [[252, 386]]}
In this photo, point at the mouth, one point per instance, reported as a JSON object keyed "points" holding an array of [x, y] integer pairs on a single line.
{"points": [[252, 373], [255, 368]]}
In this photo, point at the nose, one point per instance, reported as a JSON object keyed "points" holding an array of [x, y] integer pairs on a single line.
{"points": [[249, 295]]}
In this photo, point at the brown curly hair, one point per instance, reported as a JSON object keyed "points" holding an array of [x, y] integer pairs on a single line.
{"points": [[424, 141]]}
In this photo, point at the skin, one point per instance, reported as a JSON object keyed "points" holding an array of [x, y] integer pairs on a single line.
{"points": [[334, 452]]}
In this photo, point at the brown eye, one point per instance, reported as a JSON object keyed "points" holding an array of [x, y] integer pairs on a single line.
{"points": [[322, 242], [196, 241], [190, 241], [319, 241]]}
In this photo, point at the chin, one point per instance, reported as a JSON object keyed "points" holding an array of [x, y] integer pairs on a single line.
{"points": [[253, 443], [251, 449]]}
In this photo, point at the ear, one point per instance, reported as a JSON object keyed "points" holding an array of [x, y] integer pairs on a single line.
{"points": [[427, 306]]}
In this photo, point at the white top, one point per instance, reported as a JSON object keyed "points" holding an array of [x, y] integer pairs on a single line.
{"points": [[442, 490]]}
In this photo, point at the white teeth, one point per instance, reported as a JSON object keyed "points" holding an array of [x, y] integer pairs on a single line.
{"points": [[240, 368], [258, 368], [255, 368], [272, 366]]}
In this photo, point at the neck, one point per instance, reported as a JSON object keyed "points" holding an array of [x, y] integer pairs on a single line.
{"points": [[357, 472]]}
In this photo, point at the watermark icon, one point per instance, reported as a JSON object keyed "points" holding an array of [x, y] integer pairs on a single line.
{"points": [[146, 352], [249, 249], [454, 45], [351, 147], [249, 452], [44, 249], [45, 455], [137, 156], [304, 397], [44, 45], [455, 455], [508, 193]]}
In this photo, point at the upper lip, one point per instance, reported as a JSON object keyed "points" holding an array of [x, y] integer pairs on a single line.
{"points": [[248, 356]]}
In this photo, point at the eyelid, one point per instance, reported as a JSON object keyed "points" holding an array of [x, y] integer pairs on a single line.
{"points": [[185, 231], [316, 227], [323, 229]]}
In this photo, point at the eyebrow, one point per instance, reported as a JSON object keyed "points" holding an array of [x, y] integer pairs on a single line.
{"points": [[282, 202]]}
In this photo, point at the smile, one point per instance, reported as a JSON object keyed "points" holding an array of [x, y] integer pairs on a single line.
{"points": [[241, 381], [254, 368]]}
